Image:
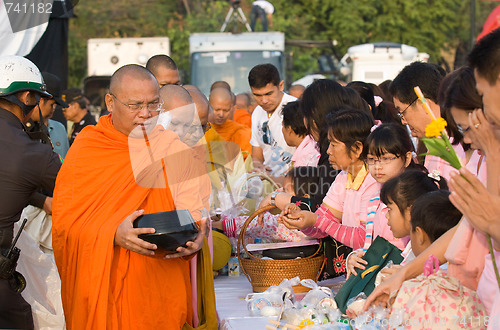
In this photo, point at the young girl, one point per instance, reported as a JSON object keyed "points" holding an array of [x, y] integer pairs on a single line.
{"points": [[343, 212], [299, 181], [399, 194], [389, 154]]}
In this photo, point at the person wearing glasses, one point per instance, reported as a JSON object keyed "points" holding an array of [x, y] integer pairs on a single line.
{"points": [[411, 111], [115, 171], [76, 111]]}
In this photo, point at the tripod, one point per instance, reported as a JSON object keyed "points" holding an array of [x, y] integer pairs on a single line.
{"points": [[237, 15]]}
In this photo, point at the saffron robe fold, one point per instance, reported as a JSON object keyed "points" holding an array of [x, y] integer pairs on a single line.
{"points": [[232, 131], [106, 286], [243, 117]]}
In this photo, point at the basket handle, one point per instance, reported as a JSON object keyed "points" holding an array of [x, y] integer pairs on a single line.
{"points": [[261, 175], [241, 240]]}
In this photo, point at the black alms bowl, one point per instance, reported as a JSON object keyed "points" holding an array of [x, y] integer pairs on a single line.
{"points": [[173, 228]]}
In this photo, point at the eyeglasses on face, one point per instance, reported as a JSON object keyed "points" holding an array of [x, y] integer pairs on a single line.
{"points": [[155, 106], [381, 160], [462, 130], [401, 114]]}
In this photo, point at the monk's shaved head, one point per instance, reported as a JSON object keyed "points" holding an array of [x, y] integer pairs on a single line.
{"points": [[175, 96], [220, 93], [202, 105], [130, 71]]}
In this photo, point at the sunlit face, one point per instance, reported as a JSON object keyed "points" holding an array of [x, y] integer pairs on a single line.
{"points": [[71, 112], [269, 96], [491, 98], [133, 91], [221, 109], [414, 116], [461, 118], [47, 107], [387, 166], [166, 76], [338, 154], [398, 222]]}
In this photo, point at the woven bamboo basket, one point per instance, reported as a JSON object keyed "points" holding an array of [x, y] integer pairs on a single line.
{"points": [[263, 273]]}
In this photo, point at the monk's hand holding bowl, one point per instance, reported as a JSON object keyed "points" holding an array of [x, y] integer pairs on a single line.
{"points": [[127, 236], [191, 246]]}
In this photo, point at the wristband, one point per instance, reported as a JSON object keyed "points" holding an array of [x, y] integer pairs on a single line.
{"points": [[273, 197]]}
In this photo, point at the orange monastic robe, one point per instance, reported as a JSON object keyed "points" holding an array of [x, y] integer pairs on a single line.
{"points": [[233, 132], [243, 117], [104, 286]]}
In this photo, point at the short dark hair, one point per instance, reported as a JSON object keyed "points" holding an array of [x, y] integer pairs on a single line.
{"points": [[293, 117], [485, 56], [322, 97], [160, 61], [263, 74], [434, 213], [404, 189], [425, 75], [389, 138], [350, 126]]}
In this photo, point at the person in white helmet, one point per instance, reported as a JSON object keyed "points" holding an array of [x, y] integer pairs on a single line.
{"points": [[27, 166]]}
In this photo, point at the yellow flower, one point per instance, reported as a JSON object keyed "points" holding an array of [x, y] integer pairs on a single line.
{"points": [[435, 128]]}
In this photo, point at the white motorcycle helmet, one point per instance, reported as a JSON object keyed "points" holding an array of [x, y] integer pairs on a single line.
{"points": [[18, 74]]}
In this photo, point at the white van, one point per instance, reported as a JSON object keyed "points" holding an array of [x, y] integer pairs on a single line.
{"points": [[377, 62]]}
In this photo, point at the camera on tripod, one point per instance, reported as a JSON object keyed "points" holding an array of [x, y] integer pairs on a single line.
{"points": [[235, 14]]}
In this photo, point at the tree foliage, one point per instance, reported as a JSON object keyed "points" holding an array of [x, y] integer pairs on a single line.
{"points": [[433, 26]]}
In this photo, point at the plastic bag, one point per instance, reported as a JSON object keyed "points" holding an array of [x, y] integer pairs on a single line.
{"points": [[43, 288], [380, 277], [318, 296], [268, 303]]}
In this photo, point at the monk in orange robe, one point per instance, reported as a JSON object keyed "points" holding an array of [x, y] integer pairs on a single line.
{"points": [[241, 113], [222, 104], [116, 171]]}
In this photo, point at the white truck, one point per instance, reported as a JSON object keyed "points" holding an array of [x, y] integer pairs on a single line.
{"points": [[230, 57], [377, 62], [106, 55]]}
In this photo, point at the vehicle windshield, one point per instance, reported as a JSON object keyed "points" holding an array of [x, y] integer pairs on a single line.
{"points": [[232, 67]]}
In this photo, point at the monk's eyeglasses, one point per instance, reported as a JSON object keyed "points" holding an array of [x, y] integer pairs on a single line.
{"points": [[155, 106]]}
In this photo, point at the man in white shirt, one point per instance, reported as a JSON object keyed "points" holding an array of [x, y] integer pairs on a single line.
{"points": [[270, 151], [264, 10]]}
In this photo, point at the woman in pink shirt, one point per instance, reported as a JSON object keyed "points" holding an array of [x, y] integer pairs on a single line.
{"points": [[343, 212]]}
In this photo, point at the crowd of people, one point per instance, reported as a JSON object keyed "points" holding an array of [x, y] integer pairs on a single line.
{"points": [[348, 158]]}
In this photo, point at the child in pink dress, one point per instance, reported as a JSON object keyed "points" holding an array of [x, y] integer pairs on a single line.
{"points": [[298, 182]]}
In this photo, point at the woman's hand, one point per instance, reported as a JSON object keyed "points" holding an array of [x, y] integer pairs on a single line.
{"points": [[298, 219], [355, 260], [381, 294], [483, 134]]}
